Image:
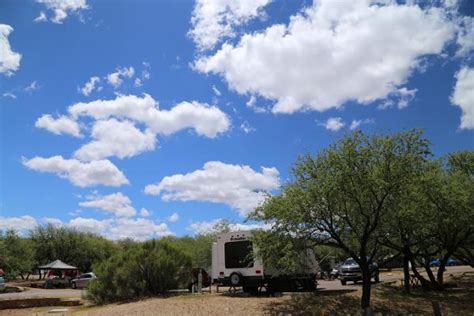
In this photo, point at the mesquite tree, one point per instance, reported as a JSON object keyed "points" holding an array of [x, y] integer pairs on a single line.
{"points": [[341, 196]]}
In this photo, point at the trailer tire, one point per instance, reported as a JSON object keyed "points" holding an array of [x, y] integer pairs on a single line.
{"points": [[235, 279]]}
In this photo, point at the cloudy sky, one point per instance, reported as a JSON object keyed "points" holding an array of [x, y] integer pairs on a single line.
{"points": [[149, 118]]}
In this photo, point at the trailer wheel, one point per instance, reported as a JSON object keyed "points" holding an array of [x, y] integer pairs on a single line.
{"points": [[236, 279]]}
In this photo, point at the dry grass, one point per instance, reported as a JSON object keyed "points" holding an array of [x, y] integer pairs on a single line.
{"points": [[387, 299]]}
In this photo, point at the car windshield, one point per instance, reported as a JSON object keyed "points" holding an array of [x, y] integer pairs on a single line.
{"points": [[350, 262]]}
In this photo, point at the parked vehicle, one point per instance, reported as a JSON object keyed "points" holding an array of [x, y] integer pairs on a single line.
{"points": [[335, 272], [234, 264], [83, 280], [450, 262], [350, 271], [2, 284]]}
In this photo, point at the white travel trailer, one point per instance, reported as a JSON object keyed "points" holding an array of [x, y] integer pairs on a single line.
{"points": [[234, 264]]}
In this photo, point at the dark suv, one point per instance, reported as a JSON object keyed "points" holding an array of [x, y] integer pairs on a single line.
{"points": [[350, 271]]}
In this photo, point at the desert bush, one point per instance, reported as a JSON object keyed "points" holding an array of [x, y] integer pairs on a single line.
{"points": [[145, 269]]}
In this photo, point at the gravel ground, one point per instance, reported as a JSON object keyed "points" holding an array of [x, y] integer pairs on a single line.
{"points": [[223, 304]]}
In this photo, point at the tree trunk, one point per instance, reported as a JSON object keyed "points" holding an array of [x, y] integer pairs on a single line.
{"points": [[406, 273], [434, 284], [424, 283], [366, 286], [442, 268]]}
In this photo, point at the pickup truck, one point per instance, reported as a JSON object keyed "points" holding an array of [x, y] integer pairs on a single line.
{"points": [[350, 271]]}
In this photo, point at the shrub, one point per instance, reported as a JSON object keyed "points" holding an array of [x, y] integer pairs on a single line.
{"points": [[146, 269]]}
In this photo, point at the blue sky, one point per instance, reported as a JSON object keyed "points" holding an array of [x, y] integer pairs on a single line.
{"points": [[146, 118]]}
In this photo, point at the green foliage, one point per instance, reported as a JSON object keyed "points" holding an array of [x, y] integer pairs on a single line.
{"points": [[340, 197], [199, 249], [145, 269], [71, 246], [16, 254]]}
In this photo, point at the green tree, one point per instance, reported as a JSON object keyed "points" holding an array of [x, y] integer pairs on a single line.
{"points": [[144, 269], [340, 197], [77, 248], [17, 254], [449, 191]]}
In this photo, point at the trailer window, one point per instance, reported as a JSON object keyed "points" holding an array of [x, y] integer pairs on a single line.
{"points": [[238, 254]]}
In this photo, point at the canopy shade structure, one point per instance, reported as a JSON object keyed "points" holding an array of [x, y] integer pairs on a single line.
{"points": [[57, 265]]}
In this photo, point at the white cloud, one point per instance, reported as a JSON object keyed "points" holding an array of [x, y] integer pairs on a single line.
{"points": [[90, 225], [138, 82], [208, 227], [357, 123], [41, 18], [332, 53], [90, 86], [9, 95], [60, 125], [206, 120], [100, 172], [117, 203], [245, 126], [216, 91], [139, 229], [237, 186], [9, 60], [112, 228], [251, 103], [115, 138], [32, 87], [465, 38], [214, 20], [116, 78], [60, 9], [121, 228], [21, 224], [463, 96], [333, 124], [144, 212], [173, 217]]}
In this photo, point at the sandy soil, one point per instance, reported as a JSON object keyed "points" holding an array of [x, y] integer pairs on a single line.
{"points": [[387, 298]]}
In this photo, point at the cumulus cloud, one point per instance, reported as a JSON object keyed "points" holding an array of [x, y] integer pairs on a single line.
{"points": [[9, 60], [117, 203], [214, 20], [173, 217], [60, 125], [465, 39], [216, 225], [463, 96], [119, 228], [331, 53], [60, 9], [90, 86], [128, 125], [21, 224], [81, 174], [247, 128], [90, 225], [333, 124], [31, 87], [238, 186], [355, 124], [115, 138], [206, 120], [116, 78], [139, 229], [144, 212]]}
